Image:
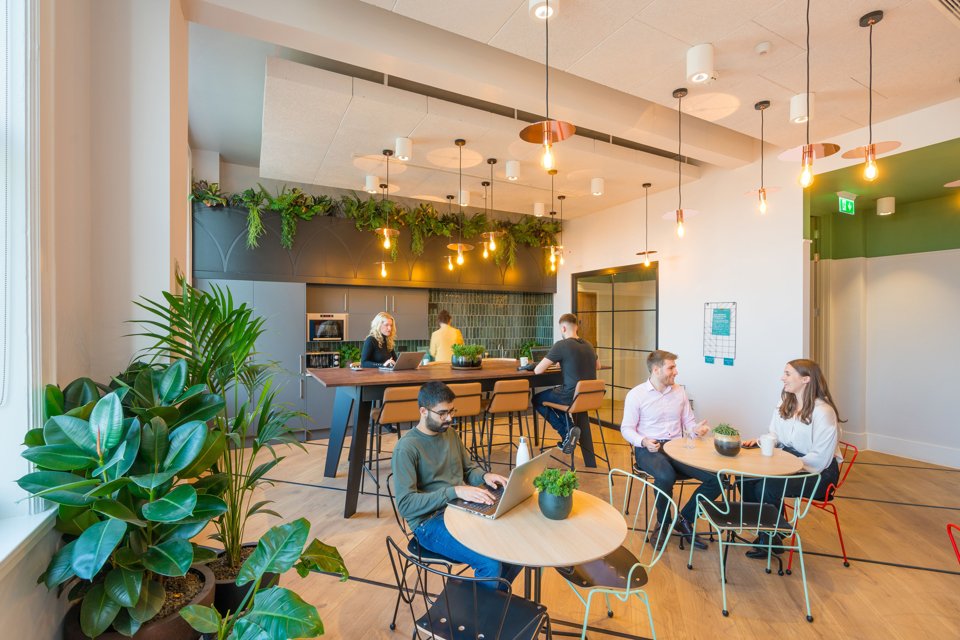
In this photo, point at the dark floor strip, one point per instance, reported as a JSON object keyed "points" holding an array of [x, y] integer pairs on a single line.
{"points": [[304, 484], [902, 504], [884, 563], [907, 466]]}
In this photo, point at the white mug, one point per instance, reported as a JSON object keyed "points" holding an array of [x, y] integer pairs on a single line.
{"points": [[768, 443], [524, 361]]}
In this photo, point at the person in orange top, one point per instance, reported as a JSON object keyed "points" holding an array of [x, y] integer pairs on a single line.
{"points": [[443, 339]]}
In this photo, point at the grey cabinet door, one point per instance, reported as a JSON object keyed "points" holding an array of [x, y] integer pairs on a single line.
{"points": [[322, 298], [409, 308], [282, 305], [319, 404], [365, 303]]}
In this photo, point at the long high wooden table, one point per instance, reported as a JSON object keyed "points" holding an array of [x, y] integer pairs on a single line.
{"points": [[358, 390]]}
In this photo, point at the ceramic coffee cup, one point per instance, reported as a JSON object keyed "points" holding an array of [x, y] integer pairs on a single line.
{"points": [[768, 443], [524, 361]]}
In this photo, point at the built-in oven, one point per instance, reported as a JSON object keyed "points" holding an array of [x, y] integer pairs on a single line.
{"points": [[326, 327]]}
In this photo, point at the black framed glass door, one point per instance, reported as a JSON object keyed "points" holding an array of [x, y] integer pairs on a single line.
{"points": [[617, 309]]}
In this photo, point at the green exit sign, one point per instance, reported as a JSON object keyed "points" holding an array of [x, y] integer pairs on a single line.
{"points": [[846, 205]]}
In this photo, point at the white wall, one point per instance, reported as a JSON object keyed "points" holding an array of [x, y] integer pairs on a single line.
{"points": [[730, 254]]}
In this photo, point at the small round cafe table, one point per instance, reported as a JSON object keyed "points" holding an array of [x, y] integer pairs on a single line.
{"points": [[703, 456]]}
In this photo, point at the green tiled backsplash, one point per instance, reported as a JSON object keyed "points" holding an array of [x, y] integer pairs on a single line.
{"points": [[500, 321]]}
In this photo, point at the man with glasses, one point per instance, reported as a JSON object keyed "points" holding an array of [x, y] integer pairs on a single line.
{"points": [[431, 467]]}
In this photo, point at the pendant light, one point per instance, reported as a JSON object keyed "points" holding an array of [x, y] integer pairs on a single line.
{"points": [[489, 237], [547, 132], [459, 245], [486, 234], [646, 253], [385, 231], [680, 215], [872, 149], [762, 106], [553, 215], [809, 152], [404, 149], [561, 198]]}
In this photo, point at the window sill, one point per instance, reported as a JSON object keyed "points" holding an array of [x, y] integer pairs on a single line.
{"points": [[19, 535]]}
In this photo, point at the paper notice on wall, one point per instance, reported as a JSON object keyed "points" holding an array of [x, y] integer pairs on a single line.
{"points": [[720, 332]]}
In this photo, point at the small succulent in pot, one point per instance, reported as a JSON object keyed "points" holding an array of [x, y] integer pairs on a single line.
{"points": [[467, 356], [726, 440]]}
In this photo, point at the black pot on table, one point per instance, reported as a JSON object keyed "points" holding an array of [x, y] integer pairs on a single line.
{"points": [[555, 507]]}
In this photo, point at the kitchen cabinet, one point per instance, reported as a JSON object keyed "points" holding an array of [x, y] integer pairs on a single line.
{"points": [[327, 299], [409, 309]]}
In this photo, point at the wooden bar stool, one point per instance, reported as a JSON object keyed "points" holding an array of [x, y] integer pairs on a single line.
{"points": [[510, 398], [587, 397], [399, 406], [467, 405]]}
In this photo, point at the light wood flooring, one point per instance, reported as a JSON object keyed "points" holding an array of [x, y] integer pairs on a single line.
{"points": [[903, 582]]}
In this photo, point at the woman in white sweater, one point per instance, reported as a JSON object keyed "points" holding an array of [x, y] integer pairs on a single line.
{"points": [[806, 424]]}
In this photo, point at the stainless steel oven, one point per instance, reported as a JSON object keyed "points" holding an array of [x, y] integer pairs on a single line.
{"points": [[326, 327]]}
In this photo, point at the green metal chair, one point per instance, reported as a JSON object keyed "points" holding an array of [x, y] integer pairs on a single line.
{"points": [[624, 572], [734, 519]]}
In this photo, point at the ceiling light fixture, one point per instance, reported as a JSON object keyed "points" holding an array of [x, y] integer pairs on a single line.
{"points": [[513, 170], [547, 132], [370, 184], [486, 235], [886, 206], [762, 106], [490, 237], [538, 209], [556, 250], [385, 230], [700, 63], [383, 268], [561, 198], [459, 245], [680, 214], [646, 253], [542, 9], [596, 186], [870, 152], [403, 149], [801, 107], [811, 151]]}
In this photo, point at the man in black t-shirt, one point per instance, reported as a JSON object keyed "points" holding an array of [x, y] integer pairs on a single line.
{"points": [[578, 361]]}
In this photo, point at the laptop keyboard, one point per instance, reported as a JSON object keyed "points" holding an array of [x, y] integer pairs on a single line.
{"points": [[486, 509]]}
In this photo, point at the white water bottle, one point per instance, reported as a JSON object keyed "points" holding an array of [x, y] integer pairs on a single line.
{"points": [[523, 451]]}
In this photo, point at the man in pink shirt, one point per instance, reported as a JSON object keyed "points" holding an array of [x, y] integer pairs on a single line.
{"points": [[656, 412]]}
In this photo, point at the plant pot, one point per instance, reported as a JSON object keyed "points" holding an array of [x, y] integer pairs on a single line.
{"points": [[171, 627], [466, 362], [229, 595], [555, 507], [726, 445]]}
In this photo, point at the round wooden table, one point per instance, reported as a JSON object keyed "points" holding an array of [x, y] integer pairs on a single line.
{"points": [[704, 456], [523, 536]]}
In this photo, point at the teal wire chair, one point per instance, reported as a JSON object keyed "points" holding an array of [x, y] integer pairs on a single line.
{"points": [[734, 519], [624, 572]]}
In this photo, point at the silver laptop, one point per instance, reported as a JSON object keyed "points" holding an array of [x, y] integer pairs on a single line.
{"points": [[406, 361], [519, 487]]}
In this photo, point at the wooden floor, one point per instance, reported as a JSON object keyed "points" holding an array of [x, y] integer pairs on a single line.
{"points": [[903, 582]]}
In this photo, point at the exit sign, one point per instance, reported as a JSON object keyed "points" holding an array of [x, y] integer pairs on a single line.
{"points": [[846, 205]]}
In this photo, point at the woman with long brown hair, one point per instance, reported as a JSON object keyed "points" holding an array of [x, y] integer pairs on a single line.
{"points": [[806, 424]]}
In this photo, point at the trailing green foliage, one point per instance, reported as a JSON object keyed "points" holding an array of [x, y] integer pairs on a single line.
{"points": [[122, 466], [274, 613], [421, 222], [557, 482], [724, 429]]}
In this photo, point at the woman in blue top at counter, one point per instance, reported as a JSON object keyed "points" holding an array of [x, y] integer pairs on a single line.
{"points": [[806, 424], [377, 350]]}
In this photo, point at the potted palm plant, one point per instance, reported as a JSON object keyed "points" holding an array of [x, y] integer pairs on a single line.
{"points": [[272, 613], [556, 492], [124, 469], [467, 356], [216, 338]]}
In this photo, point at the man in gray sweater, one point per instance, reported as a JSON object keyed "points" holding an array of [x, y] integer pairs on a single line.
{"points": [[430, 467]]}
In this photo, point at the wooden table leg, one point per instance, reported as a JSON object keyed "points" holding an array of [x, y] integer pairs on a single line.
{"points": [[358, 447], [342, 408]]}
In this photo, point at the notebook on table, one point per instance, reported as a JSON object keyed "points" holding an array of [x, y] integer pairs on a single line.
{"points": [[406, 361], [519, 487]]}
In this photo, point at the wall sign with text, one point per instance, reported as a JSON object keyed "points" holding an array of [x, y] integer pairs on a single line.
{"points": [[720, 332]]}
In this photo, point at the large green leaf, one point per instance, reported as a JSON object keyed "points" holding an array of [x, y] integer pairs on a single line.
{"points": [[186, 443], [58, 486], [75, 520], [172, 381], [170, 558], [180, 531], [117, 510], [106, 422], [124, 623], [126, 454], [80, 392], [34, 438], [283, 614], [155, 442], [276, 552], [246, 630], [202, 618], [124, 586], [190, 392], [95, 545], [213, 447], [260, 471], [60, 457], [108, 488], [176, 505], [202, 408], [97, 611], [77, 430], [214, 484], [151, 600], [53, 404], [321, 557], [60, 568], [152, 480], [207, 508]]}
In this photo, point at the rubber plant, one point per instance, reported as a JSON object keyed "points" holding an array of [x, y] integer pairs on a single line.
{"points": [[270, 612], [216, 338], [123, 470]]}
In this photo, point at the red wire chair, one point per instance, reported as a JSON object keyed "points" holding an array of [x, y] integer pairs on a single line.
{"points": [[827, 503], [950, 529]]}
